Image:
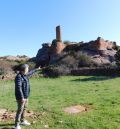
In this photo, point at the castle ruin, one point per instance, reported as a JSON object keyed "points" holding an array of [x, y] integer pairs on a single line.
{"points": [[100, 50]]}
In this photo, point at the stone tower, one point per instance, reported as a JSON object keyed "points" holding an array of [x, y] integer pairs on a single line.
{"points": [[57, 46], [58, 34]]}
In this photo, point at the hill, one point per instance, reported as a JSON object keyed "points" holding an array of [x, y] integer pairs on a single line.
{"points": [[100, 51]]}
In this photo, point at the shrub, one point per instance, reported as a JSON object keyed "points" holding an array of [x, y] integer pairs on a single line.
{"points": [[73, 47], [67, 42], [83, 59], [57, 70], [6, 66], [67, 62], [17, 67], [1, 71], [117, 58]]}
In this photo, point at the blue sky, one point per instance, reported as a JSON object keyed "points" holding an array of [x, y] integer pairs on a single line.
{"points": [[26, 24]]}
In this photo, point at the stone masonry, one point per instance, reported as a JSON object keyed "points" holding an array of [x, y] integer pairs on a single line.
{"points": [[101, 44], [58, 34]]}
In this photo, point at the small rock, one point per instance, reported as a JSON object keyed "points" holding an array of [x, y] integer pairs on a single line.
{"points": [[33, 122], [61, 121], [46, 126]]}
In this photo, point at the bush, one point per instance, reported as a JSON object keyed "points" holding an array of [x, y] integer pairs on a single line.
{"points": [[117, 58], [17, 67], [6, 66], [117, 47], [73, 47], [57, 70], [83, 59], [67, 42], [67, 62], [1, 71]]}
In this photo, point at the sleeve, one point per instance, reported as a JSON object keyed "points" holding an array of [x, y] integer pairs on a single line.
{"points": [[32, 72], [18, 85]]}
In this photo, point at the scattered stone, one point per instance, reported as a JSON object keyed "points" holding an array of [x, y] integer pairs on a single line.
{"points": [[33, 122], [46, 126], [61, 121], [10, 115]]}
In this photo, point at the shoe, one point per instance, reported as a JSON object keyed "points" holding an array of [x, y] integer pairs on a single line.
{"points": [[25, 123], [17, 127]]}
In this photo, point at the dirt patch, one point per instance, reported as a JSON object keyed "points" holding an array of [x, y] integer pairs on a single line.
{"points": [[76, 109], [10, 115]]}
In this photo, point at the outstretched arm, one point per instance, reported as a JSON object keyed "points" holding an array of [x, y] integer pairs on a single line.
{"points": [[29, 74]]}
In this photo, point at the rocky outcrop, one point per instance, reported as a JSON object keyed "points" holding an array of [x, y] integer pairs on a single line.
{"points": [[101, 51], [15, 58], [43, 55]]}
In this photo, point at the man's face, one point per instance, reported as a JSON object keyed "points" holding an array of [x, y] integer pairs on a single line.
{"points": [[26, 70]]}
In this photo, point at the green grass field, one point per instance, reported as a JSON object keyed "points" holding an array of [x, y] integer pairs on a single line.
{"points": [[51, 95]]}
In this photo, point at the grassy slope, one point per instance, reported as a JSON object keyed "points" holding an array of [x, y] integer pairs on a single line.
{"points": [[52, 95]]}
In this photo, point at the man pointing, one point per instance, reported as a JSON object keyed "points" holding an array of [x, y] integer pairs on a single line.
{"points": [[22, 91]]}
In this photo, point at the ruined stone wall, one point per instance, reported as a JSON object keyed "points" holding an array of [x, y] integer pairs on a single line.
{"points": [[104, 45], [101, 44]]}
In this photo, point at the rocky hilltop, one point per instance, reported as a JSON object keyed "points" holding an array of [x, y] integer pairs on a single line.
{"points": [[8, 62], [101, 51], [15, 58]]}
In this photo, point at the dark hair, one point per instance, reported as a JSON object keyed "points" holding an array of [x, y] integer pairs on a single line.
{"points": [[23, 67]]}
